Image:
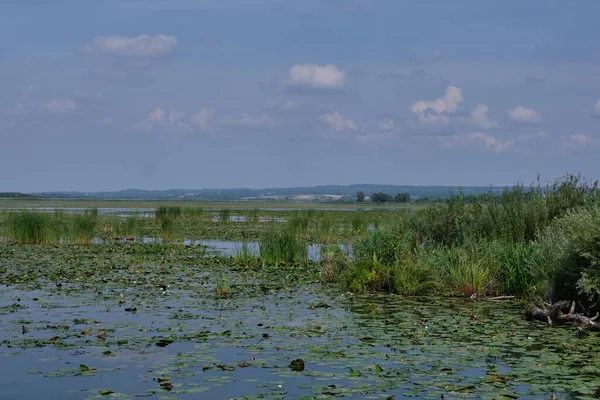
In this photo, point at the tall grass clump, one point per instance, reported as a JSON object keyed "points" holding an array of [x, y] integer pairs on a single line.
{"points": [[31, 227], [84, 226], [358, 222], [334, 263], [390, 260], [127, 227], [281, 246], [225, 215], [245, 252], [166, 218], [300, 222]]}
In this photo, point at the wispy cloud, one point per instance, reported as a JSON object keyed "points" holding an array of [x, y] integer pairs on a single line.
{"points": [[140, 46], [337, 122], [477, 139], [246, 121], [525, 115], [597, 109], [317, 76], [61, 106], [169, 121]]}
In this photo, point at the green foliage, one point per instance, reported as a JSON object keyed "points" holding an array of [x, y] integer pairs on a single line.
{"points": [[402, 197], [30, 227], [281, 246], [465, 270], [360, 196], [380, 197], [50, 228], [245, 253], [520, 242], [224, 215], [84, 226], [166, 218], [570, 251], [334, 264]]}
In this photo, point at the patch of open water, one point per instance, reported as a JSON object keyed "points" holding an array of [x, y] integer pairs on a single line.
{"points": [[71, 343]]}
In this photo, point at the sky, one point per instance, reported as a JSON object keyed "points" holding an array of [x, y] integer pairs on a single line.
{"points": [[157, 94]]}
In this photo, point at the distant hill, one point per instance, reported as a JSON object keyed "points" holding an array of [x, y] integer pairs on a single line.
{"points": [[14, 195], [343, 192]]}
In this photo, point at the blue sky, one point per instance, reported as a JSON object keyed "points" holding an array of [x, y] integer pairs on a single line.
{"points": [[157, 94]]}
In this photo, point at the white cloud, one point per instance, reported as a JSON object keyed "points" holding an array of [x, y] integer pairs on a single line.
{"points": [[579, 141], [597, 108], [245, 120], [202, 118], [140, 46], [479, 118], [437, 111], [477, 139], [523, 114], [18, 110], [337, 122], [317, 76], [172, 121], [387, 124], [61, 106]]}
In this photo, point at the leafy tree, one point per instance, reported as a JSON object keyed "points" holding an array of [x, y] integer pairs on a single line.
{"points": [[381, 197], [360, 196], [402, 197]]}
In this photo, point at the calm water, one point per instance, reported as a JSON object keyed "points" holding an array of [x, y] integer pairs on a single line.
{"points": [[72, 343]]}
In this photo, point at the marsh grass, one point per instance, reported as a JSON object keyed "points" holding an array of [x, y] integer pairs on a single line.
{"points": [[245, 253], [84, 226], [35, 227], [127, 227], [30, 227], [167, 218], [279, 246], [334, 263], [224, 215], [222, 286], [492, 244], [193, 212]]}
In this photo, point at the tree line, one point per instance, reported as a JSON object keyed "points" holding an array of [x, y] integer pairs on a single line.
{"points": [[381, 197]]}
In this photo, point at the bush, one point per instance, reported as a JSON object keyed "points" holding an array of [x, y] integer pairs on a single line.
{"points": [[570, 250]]}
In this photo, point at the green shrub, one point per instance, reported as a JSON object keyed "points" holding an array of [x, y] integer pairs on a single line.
{"points": [[570, 251], [334, 264]]}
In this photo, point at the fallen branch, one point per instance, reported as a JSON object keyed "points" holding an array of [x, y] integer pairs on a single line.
{"points": [[501, 298], [565, 312]]}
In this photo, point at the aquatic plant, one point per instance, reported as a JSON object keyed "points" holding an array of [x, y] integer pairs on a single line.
{"points": [[245, 252], [334, 263], [281, 246], [224, 215], [84, 226], [31, 227]]}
